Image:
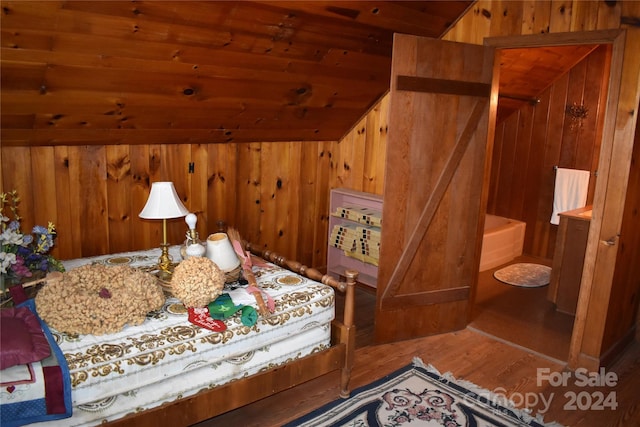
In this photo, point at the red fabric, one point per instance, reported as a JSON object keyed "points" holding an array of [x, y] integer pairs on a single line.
{"points": [[21, 338], [18, 294], [54, 390], [202, 318]]}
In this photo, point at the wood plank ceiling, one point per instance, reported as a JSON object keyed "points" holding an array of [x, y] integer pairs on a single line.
{"points": [[121, 72], [526, 73]]}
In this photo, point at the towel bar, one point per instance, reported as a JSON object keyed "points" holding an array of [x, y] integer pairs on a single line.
{"points": [[595, 173]]}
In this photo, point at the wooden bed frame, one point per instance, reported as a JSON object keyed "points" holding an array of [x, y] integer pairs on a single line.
{"points": [[209, 403]]}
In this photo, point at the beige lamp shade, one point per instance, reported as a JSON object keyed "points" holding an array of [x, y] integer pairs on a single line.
{"points": [[163, 203], [220, 251]]}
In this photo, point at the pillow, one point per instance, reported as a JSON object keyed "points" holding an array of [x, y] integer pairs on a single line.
{"points": [[21, 338]]}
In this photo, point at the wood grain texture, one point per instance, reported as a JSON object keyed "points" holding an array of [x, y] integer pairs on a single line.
{"points": [[569, 19], [142, 174], [118, 200], [109, 72], [66, 219], [425, 277], [87, 189], [110, 185], [67, 119], [506, 369], [538, 138], [627, 273], [503, 314]]}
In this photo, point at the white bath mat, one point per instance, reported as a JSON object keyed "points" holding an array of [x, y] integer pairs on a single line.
{"points": [[525, 275]]}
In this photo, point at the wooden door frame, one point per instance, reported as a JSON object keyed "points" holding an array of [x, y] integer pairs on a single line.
{"points": [[603, 236]]}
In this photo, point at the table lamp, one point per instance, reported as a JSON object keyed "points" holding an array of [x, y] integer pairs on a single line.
{"points": [[163, 203]]}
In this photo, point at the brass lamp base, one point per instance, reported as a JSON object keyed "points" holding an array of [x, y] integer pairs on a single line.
{"points": [[165, 263]]}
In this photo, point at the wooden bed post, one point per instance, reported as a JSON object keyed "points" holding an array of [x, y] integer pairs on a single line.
{"points": [[349, 332]]}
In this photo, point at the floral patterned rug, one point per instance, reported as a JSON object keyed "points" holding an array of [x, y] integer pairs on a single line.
{"points": [[524, 275], [418, 395]]}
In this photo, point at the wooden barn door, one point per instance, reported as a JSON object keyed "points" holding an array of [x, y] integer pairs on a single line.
{"points": [[441, 123]]}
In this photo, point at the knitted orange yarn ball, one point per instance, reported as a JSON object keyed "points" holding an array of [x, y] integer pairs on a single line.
{"points": [[197, 281], [97, 299]]}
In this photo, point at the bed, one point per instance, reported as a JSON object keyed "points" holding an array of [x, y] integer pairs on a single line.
{"points": [[170, 371]]}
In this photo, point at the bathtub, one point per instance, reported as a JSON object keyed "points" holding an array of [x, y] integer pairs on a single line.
{"points": [[502, 241]]}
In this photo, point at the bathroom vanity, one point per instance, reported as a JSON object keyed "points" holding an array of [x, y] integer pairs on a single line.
{"points": [[568, 259]]}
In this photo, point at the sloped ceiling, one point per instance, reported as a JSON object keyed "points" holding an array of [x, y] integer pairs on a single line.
{"points": [[116, 72], [526, 73]]}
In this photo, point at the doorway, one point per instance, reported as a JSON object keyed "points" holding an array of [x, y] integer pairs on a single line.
{"points": [[535, 134], [436, 190]]}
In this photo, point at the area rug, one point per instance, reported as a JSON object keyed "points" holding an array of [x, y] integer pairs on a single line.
{"points": [[418, 395], [525, 275]]}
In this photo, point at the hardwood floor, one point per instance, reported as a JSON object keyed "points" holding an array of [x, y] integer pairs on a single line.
{"points": [[481, 354], [522, 316], [468, 355]]}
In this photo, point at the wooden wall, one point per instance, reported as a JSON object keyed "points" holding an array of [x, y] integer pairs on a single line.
{"points": [[624, 297], [535, 139], [94, 193], [276, 194]]}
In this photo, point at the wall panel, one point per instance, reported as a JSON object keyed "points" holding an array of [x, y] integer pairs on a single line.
{"points": [[276, 194], [530, 142], [118, 200]]}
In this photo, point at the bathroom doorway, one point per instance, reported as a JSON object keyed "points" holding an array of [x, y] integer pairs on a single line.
{"points": [[535, 134]]}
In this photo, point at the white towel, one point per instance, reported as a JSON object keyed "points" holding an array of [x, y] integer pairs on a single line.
{"points": [[570, 192]]}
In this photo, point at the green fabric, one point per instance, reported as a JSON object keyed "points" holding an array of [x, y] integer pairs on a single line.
{"points": [[249, 316], [223, 308]]}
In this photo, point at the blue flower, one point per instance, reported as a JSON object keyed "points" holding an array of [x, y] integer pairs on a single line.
{"points": [[38, 229], [22, 254]]}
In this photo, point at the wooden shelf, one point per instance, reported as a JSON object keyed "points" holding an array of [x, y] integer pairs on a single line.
{"points": [[337, 260]]}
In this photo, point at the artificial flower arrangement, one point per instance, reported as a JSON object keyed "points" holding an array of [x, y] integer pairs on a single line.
{"points": [[23, 255]]}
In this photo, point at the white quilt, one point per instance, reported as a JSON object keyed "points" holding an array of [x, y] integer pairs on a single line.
{"points": [[167, 357]]}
